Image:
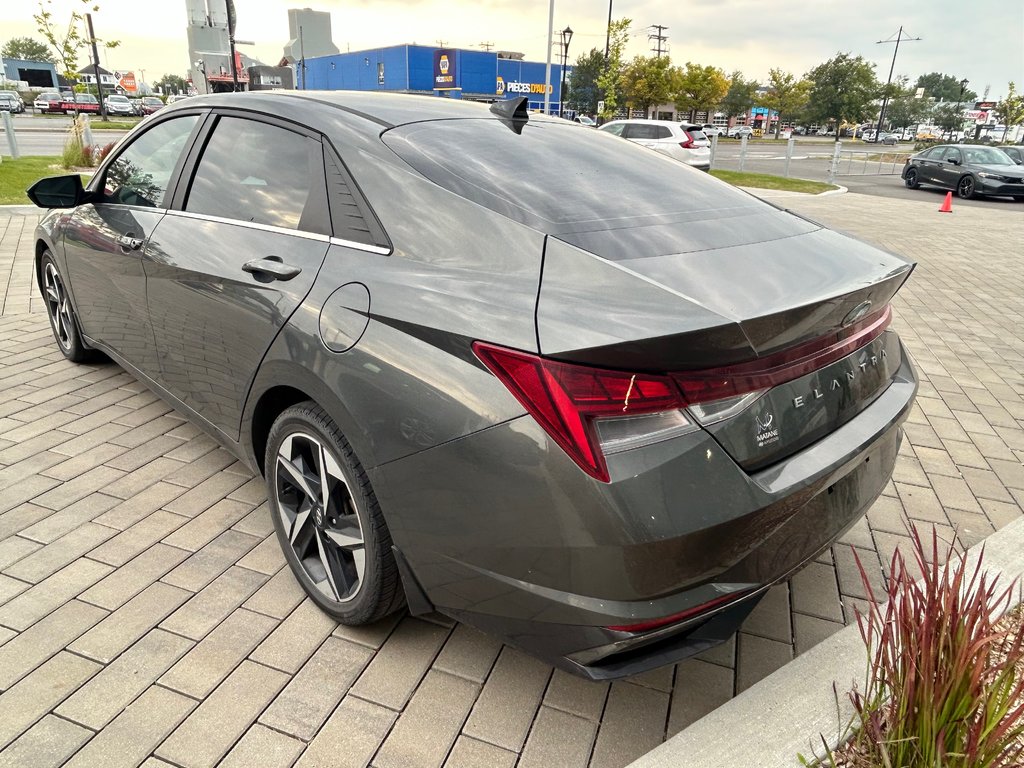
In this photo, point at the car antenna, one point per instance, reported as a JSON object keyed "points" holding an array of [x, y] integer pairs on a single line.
{"points": [[512, 112]]}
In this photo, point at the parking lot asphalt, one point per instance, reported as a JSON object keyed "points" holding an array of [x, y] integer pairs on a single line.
{"points": [[147, 616]]}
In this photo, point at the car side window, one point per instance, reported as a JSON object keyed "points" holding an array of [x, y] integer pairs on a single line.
{"points": [[615, 130], [258, 172], [662, 132], [641, 131], [141, 173], [953, 154]]}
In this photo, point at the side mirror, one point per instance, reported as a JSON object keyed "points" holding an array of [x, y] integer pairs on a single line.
{"points": [[58, 192], [953, 160]]}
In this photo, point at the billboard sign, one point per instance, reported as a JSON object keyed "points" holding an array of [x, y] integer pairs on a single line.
{"points": [[446, 73], [126, 81]]}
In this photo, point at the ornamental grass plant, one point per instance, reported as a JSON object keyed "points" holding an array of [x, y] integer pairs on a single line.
{"points": [[942, 688]]}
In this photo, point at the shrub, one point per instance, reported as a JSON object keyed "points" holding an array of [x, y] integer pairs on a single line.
{"points": [[941, 691], [73, 155], [88, 151], [102, 152]]}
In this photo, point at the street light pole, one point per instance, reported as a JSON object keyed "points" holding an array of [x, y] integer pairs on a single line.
{"points": [[547, 69], [566, 39], [959, 101], [885, 96]]}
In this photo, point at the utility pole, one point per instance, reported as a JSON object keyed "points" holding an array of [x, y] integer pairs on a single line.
{"points": [[658, 37], [441, 43], [885, 96], [230, 7], [302, 59], [96, 67], [486, 46], [608, 35]]}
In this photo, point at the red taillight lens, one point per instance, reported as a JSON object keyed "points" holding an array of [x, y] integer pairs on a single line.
{"points": [[688, 142], [778, 368], [675, 618], [565, 399]]}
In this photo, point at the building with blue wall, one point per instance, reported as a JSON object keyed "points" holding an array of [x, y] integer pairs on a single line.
{"points": [[38, 74], [468, 74]]}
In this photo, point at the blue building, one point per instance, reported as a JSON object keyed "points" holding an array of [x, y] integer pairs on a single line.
{"points": [[38, 74], [452, 72]]}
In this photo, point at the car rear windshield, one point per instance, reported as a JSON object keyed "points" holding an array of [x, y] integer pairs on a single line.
{"points": [[561, 178]]}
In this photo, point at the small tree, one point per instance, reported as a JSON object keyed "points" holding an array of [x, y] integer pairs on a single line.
{"points": [[740, 97], [67, 45], [786, 95], [648, 81], [700, 88], [1011, 109], [172, 84], [583, 93], [845, 89], [609, 81], [944, 87], [27, 48]]}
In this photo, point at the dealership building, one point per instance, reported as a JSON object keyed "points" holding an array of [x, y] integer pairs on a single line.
{"points": [[452, 72]]}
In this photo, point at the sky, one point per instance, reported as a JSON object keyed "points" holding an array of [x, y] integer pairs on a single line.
{"points": [[981, 40]]}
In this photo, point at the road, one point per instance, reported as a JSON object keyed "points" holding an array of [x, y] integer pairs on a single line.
{"points": [[46, 135]]}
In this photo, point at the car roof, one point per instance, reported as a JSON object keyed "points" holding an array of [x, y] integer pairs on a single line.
{"points": [[645, 121]]}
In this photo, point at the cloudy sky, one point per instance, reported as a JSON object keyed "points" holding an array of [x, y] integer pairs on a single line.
{"points": [[982, 40]]}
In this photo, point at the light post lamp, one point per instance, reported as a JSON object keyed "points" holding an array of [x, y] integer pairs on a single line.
{"points": [[959, 101], [566, 39]]}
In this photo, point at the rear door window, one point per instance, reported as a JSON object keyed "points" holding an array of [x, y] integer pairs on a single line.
{"points": [[258, 172]]}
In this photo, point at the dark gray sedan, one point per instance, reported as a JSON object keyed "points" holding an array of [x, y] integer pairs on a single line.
{"points": [[968, 169], [492, 364]]}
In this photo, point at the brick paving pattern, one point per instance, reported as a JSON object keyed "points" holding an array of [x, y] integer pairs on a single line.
{"points": [[147, 616]]}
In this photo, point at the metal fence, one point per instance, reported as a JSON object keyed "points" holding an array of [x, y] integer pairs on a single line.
{"points": [[868, 162]]}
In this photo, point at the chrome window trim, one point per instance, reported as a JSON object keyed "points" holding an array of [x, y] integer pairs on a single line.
{"points": [[282, 231]]}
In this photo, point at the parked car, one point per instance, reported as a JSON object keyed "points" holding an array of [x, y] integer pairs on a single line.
{"points": [[136, 105], [585, 120], [739, 131], [151, 104], [970, 170], [713, 130], [597, 404], [49, 102], [174, 98], [682, 141], [1014, 153], [118, 105], [81, 102], [826, 131], [869, 135], [889, 138], [800, 130], [15, 100], [8, 104]]}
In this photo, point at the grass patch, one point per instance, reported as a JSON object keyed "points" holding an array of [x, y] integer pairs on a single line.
{"points": [[767, 181], [18, 175], [112, 125]]}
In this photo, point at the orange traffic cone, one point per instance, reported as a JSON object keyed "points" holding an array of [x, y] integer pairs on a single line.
{"points": [[947, 204]]}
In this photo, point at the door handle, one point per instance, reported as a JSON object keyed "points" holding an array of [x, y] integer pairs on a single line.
{"points": [[271, 267], [130, 243]]}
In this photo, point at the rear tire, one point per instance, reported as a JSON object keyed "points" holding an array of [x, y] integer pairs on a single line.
{"points": [[327, 518], [911, 179]]}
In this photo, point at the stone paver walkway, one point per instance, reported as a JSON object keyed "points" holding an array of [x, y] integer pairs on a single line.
{"points": [[147, 617]]}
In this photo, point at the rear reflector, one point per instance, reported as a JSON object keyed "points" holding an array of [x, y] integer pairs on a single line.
{"points": [[675, 618]]}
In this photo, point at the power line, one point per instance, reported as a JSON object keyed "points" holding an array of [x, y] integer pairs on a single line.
{"points": [[658, 37], [885, 96], [486, 46]]}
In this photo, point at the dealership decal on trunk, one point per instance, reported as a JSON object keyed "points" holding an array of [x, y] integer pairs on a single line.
{"points": [[766, 434]]}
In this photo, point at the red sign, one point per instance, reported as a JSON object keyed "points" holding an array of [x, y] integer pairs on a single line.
{"points": [[126, 81]]}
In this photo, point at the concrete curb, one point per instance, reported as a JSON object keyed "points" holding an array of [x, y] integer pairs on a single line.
{"points": [[19, 209], [780, 717]]}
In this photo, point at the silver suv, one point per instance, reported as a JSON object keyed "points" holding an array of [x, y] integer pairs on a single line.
{"points": [[119, 105], [682, 141]]}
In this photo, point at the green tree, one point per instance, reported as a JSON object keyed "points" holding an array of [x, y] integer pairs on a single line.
{"points": [[740, 97], [786, 95], [172, 84], [1011, 109], [26, 48], [904, 108], [67, 44], [648, 81], [608, 82], [700, 88], [844, 89], [948, 116], [944, 87], [583, 93]]}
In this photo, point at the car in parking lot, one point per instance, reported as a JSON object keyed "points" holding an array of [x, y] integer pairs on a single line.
{"points": [[1015, 153], [969, 170], [681, 141], [739, 131], [151, 104], [17, 105], [551, 384], [713, 130], [889, 138], [118, 105], [49, 102], [83, 103], [8, 103]]}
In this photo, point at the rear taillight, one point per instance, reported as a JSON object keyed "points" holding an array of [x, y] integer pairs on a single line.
{"points": [[569, 401], [675, 618], [687, 143], [593, 412]]}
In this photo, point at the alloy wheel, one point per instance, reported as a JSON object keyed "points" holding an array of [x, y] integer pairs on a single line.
{"points": [[966, 187], [319, 516], [57, 306], [911, 179]]}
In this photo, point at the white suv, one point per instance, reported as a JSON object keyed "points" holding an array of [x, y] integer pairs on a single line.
{"points": [[682, 141], [118, 105]]}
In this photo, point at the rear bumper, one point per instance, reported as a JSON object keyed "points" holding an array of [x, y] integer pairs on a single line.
{"points": [[504, 533]]}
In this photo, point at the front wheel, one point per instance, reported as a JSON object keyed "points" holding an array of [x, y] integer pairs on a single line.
{"points": [[911, 179], [327, 518], [966, 188]]}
